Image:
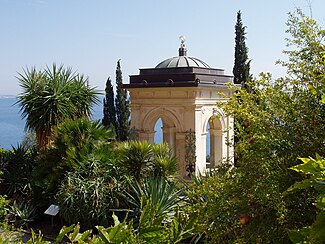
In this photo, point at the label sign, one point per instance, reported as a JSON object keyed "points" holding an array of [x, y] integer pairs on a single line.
{"points": [[52, 210]]}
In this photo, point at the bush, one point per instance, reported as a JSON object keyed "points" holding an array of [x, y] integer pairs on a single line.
{"points": [[17, 166], [3, 204], [89, 197], [22, 213]]}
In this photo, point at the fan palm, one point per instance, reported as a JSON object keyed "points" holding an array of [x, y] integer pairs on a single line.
{"points": [[165, 164], [137, 158], [51, 96], [142, 159], [79, 138]]}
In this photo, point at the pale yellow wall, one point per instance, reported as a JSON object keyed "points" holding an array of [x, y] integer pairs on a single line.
{"points": [[181, 109]]}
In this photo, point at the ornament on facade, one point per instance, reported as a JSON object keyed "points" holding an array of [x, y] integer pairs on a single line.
{"points": [[190, 149]]}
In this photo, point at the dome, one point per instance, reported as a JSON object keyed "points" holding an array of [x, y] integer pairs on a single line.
{"points": [[182, 61]]}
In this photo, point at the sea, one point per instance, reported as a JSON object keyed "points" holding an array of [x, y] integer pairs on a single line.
{"points": [[12, 125]]}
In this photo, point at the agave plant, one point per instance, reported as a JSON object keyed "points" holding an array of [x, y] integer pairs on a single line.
{"points": [[162, 194], [22, 213]]}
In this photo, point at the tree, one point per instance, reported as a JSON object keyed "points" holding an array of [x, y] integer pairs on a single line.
{"points": [[51, 96], [109, 106], [242, 65], [122, 107], [315, 169], [306, 61], [250, 203]]}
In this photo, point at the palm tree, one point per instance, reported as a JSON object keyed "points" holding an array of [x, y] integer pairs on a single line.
{"points": [[142, 159], [136, 157], [51, 96], [79, 138], [165, 164]]}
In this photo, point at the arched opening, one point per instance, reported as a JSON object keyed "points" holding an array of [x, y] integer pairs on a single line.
{"points": [[161, 125], [159, 135], [214, 142]]}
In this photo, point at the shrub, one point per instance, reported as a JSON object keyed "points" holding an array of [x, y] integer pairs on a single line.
{"points": [[17, 166], [89, 196], [22, 213], [3, 204]]}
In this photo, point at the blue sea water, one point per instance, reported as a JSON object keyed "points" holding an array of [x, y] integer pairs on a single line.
{"points": [[12, 125]]}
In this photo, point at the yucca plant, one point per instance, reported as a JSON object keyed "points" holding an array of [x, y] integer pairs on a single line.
{"points": [[51, 96]]}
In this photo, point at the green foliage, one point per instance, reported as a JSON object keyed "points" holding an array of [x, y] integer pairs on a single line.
{"points": [[136, 157], [141, 159], [165, 164], [119, 233], [78, 138], [88, 197], [109, 106], [315, 169], [8, 234], [283, 126], [22, 213], [76, 144], [162, 194], [284, 121], [72, 232], [151, 229], [51, 96], [242, 65], [306, 53], [3, 204], [122, 107], [17, 166], [36, 239]]}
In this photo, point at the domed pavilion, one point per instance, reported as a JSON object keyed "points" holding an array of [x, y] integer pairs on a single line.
{"points": [[183, 91]]}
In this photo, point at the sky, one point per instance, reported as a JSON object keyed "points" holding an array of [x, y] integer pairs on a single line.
{"points": [[90, 36]]}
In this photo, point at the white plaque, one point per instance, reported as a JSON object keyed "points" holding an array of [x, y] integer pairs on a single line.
{"points": [[52, 210]]}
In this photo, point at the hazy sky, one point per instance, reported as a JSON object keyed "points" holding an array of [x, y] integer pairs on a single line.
{"points": [[91, 35]]}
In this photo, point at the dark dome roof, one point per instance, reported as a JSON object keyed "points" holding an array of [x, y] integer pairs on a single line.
{"points": [[182, 61]]}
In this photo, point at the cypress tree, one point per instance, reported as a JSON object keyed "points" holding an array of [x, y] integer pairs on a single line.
{"points": [[109, 111], [122, 107], [241, 68]]}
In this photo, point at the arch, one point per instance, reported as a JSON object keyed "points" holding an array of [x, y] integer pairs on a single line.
{"points": [[168, 117], [218, 114], [170, 125], [216, 140]]}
